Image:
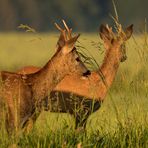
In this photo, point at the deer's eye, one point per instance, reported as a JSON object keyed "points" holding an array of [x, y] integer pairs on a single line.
{"points": [[77, 59]]}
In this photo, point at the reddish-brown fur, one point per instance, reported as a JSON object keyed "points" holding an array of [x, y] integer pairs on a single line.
{"points": [[90, 90], [23, 93]]}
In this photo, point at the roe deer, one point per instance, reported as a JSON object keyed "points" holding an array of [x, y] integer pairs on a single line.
{"points": [[87, 93], [23, 93]]}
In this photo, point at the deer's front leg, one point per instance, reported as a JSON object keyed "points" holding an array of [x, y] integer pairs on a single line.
{"points": [[29, 123], [85, 108], [80, 123]]}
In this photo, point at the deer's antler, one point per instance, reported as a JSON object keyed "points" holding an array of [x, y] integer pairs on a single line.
{"points": [[110, 30], [120, 30], [69, 31], [67, 36]]}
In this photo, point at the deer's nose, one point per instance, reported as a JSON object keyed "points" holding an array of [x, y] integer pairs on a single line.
{"points": [[86, 73]]}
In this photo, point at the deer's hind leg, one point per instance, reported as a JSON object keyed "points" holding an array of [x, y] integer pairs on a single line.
{"points": [[12, 112]]}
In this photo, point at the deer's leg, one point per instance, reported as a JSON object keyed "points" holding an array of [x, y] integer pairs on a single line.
{"points": [[34, 114], [80, 123], [30, 121], [81, 118], [85, 108], [10, 121], [11, 114], [28, 126]]}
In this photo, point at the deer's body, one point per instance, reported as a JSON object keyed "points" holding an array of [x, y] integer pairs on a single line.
{"points": [[23, 93], [74, 84], [89, 91]]}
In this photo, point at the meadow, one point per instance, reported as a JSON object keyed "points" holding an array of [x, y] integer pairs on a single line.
{"points": [[122, 120]]}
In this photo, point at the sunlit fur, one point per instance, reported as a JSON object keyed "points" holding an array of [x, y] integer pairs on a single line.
{"points": [[23, 93], [90, 90]]}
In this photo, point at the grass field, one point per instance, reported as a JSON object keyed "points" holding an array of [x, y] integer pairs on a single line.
{"points": [[122, 120]]}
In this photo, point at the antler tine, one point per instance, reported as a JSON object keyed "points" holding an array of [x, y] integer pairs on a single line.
{"points": [[120, 28], [64, 34], [65, 25], [63, 31], [58, 27], [67, 28], [109, 28]]}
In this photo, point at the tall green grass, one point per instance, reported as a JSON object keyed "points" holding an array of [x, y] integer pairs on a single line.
{"points": [[122, 120]]}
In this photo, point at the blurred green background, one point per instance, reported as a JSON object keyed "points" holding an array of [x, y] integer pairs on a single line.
{"points": [[82, 15]]}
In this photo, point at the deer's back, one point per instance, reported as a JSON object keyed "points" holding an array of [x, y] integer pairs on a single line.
{"points": [[28, 70]]}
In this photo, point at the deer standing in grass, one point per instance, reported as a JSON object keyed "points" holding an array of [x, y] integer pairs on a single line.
{"points": [[88, 92], [23, 93]]}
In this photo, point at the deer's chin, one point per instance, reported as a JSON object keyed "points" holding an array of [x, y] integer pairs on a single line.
{"points": [[123, 59]]}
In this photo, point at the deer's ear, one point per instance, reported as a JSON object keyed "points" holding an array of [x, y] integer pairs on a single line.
{"points": [[128, 32], [61, 41], [104, 33], [70, 44]]}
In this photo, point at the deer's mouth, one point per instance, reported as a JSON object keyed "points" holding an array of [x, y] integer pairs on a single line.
{"points": [[85, 74]]}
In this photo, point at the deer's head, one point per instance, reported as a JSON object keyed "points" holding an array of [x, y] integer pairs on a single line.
{"points": [[68, 58], [117, 40]]}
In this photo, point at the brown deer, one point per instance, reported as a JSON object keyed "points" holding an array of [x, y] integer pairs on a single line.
{"points": [[88, 92], [23, 93]]}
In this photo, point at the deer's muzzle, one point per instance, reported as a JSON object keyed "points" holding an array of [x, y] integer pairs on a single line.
{"points": [[86, 73]]}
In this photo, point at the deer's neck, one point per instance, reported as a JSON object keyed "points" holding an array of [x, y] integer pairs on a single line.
{"points": [[46, 79], [110, 66]]}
